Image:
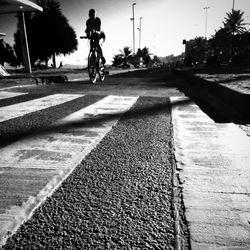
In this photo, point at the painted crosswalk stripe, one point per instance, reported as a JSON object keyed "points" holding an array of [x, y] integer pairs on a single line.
{"points": [[39, 164], [20, 109], [6, 94]]}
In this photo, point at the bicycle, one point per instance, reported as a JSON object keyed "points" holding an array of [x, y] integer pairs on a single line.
{"points": [[95, 65]]}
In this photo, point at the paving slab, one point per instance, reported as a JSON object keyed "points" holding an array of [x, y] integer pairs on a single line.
{"points": [[213, 162]]}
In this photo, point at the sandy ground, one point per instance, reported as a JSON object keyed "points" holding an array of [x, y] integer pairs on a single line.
{"points": [[237, 81]]}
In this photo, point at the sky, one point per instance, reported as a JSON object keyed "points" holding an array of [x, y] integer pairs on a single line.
{"points": [[164, 23]]}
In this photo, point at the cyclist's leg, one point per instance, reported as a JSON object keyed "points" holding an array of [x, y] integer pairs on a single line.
{"points": [[100, 52], [92, 44]]}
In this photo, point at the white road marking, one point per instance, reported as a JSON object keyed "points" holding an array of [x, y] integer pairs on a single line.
{"points": [[20, 109], [18, 86], [5, 94], [213, 162], [38, 164]]}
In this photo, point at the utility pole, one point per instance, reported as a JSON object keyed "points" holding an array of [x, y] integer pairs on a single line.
{"points": [[206, 8], [140, 33], [133, 20], [233, 5]]}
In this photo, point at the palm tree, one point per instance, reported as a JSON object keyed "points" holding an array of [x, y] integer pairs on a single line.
{"points": [[234, 22], [126, 55], [117, 60], [144, 54]]}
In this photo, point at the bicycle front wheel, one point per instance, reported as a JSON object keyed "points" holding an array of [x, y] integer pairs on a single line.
{"points": [[101, 72], [92, 69]]}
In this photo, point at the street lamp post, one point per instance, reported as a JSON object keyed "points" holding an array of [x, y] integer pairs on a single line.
{"points": [[133, 20], [140, 33], [206, 8]]}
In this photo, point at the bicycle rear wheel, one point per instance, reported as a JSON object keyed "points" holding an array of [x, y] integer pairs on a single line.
{"points": [[92, 69]]}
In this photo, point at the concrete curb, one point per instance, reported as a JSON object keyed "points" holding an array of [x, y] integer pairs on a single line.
{"points": [[182, 240]]}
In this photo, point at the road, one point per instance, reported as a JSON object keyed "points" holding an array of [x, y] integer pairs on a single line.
{"points": [[124, 164]]}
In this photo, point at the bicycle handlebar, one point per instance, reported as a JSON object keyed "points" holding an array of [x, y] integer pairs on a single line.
{"points": [[92, 36]]}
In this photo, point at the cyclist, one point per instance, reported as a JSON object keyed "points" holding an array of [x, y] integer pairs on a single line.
{"points": [[93, 29]]}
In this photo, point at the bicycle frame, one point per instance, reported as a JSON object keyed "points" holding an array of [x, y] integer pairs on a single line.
{"points": [[94, 61]]}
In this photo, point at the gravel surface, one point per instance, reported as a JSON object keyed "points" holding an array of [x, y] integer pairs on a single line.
{"points": [[119, 197]]}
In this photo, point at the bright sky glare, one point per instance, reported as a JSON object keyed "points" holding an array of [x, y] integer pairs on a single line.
{"points": [[165, 23]]}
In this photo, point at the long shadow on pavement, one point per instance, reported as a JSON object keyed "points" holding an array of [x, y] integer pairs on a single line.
{"points": [[148, 110], [222, 104]]}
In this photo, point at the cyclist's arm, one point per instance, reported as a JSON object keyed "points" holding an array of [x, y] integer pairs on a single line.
{"points": [[88, 29], [98, 25]]}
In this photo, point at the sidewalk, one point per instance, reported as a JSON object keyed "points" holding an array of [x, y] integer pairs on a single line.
{"points": [[213, 161], [213, 158]]}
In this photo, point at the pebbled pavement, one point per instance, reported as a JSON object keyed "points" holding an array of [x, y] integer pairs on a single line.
{"points": [[119, 197]]}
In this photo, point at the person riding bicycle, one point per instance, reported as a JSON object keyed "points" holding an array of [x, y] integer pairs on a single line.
{"points": [[93, 30]]}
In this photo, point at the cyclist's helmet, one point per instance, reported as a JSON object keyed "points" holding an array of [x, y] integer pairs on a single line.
{"points": [[91, 12]]}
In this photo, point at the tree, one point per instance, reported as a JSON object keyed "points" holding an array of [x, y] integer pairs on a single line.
{"points": [[117, 60], [234, 22], [200, 49], [196, 51], [126, 55], [156, 60], [7, 53], [123, 58], [49, 33], [144, 54], [242, 41], [221, 43]]}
